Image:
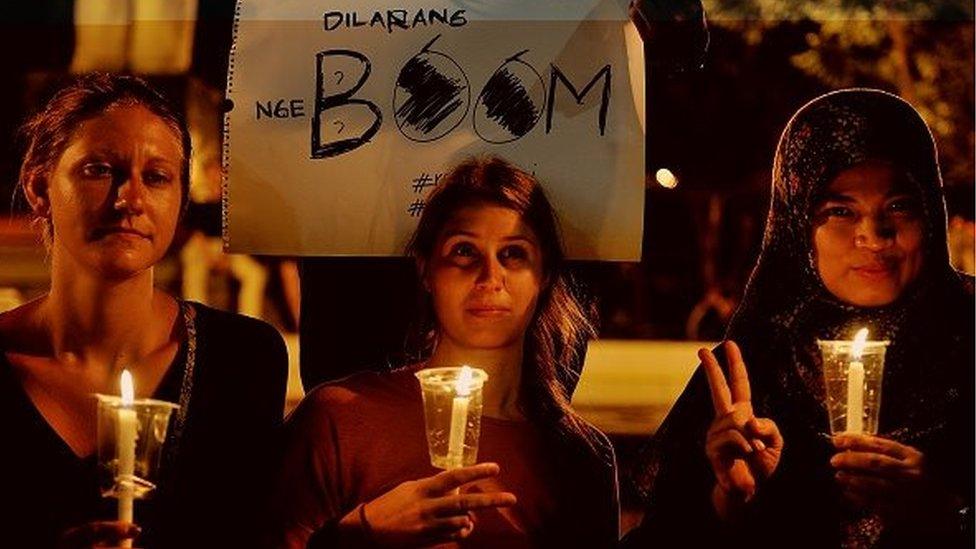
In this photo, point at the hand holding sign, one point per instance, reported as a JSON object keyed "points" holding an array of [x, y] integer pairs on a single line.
{"points": [[741, 448]]}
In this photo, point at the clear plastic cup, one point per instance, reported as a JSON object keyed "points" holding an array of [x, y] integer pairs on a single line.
{"points": [[846, 375], [452, 414], [146, 421]]}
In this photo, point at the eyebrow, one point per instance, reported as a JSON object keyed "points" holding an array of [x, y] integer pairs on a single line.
{"points": [[519, 237], [511, 238], [103, 153], [843, 198], [836, 197]]}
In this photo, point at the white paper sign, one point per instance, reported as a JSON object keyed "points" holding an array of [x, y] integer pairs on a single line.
{"points": [[346, 112]]}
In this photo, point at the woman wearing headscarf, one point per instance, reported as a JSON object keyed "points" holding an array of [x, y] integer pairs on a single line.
{"points": [[855, 237]]}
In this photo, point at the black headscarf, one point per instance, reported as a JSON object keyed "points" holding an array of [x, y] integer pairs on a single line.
{"points": [[927, 394], [832, 133]]}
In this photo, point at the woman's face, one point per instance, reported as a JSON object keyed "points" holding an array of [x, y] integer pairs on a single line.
{"points": [[868, 235], [115, 192], [485, 276]]}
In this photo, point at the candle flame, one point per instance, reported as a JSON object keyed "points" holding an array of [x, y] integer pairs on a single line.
{"points": [[462, 387], [860, 340], [128, 393]]}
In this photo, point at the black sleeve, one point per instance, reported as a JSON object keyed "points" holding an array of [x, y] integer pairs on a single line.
{"points": [[677, 477]]}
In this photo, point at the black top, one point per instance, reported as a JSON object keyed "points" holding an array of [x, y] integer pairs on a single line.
{"points": [[211, 491]]}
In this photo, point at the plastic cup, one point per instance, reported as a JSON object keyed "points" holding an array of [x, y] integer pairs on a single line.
{"points": [[449, 401], [151, 419], [844, 376]]}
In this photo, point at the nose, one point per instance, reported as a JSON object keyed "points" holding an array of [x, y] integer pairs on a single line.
{"points": [[130, 194], [492, 275], [874, 233]]}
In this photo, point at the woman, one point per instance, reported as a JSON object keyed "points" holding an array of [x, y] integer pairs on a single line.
{"points": [[856, 237], [357, 469], [106, 175]]}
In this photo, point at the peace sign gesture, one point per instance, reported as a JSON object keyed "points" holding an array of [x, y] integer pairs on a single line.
{"points": [[741, 448]]}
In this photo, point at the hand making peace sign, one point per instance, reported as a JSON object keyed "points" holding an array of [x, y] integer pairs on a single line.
{"points": [[740, 447]]}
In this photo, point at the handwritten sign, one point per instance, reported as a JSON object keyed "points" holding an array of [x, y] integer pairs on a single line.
{"points": [[346, 113]]}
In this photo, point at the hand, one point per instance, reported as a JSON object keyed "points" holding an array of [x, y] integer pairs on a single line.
{"points": [[429, 510], [98, 534], [741, 448], [891, 479]]}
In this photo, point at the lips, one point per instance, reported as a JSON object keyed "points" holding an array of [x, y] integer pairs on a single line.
{"points": [[875, 270], [488, 310], [103, 232]]}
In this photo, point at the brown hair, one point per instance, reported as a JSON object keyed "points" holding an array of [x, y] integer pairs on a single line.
{"points": [[561, 325], [48, 132]]}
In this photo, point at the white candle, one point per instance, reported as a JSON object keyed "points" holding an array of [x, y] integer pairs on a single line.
{"points": [[459, 419], [855, 385], [126, 450]]}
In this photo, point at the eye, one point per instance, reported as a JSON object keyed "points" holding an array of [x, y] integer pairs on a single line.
{"points": [[463, 249], [513, 254], [903, 207], [157, 177], [837, 211], [463, 253], [96, 170]]}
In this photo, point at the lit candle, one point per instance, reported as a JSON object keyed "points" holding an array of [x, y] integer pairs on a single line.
{"points": [[855, 385], [126, 451], [459, 419]]}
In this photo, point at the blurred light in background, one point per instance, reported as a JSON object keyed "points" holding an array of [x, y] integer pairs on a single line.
{"points": [[628, 386], [666, 178], [146, 37]]}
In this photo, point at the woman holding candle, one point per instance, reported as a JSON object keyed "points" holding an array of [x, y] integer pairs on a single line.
{"points": [[855, 238], [106, 174], [495, 297]]}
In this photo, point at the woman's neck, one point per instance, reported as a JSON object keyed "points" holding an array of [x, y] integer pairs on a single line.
{"points": [[94, 320], [503, 366]]}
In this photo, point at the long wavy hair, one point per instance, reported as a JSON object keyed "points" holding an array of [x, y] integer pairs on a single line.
{"points": [[561, 326]]}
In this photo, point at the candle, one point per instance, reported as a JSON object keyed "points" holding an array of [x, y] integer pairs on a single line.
{"points": [[855, 385], [459, 418], [126, 451]]}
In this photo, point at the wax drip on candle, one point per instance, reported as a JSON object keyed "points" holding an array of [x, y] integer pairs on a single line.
{"points": [[855, 384]]}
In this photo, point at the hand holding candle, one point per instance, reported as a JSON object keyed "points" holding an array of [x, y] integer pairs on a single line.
{"points": [[426, 511]]}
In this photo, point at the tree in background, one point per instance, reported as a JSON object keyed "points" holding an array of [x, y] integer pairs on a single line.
{"points": [[923, 51]]}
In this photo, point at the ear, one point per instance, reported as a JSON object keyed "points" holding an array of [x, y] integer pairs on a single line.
{"points": [[36, 191]]}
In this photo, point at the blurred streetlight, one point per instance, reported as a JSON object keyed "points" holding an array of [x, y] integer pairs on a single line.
{"points": [[666, 178]]}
